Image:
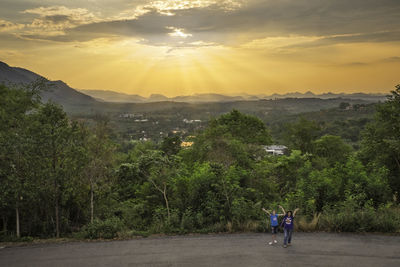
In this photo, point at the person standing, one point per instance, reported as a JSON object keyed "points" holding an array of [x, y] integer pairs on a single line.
{"points": [[274, 223], [287, 224]]}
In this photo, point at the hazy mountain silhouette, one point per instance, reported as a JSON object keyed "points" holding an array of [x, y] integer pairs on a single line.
{"points": [[157, 98], [111, 96], [207, 98], [58, 91], [61, 93]]}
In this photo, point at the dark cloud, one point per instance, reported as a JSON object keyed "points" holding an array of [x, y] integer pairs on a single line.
{"points": [[57, 19], [336, 21]]}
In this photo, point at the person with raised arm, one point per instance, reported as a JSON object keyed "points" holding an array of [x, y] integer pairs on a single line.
{"points": [[274, 222], [287, 224]]}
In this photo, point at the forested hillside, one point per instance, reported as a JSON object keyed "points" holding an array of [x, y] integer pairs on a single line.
{"points": [[67, 177], [156, 120]]}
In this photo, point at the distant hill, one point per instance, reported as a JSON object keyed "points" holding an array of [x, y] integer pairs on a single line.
{"points": [[198, 98], [157, 98], [112, 96], [354, 96], [58, 91], [202, 105]]}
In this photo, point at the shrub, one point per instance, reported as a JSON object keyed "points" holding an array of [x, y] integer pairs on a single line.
{"points": [[161, 224], [303, 224], [383, 219], [106, 229], [243, 211], [134, 215], [188, 221]]}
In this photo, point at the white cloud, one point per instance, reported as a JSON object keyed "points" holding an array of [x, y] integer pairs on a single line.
{"points": [[170, 7], [178, 32]]}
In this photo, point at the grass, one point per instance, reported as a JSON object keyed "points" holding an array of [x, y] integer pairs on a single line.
{"points": [[302, 224]]}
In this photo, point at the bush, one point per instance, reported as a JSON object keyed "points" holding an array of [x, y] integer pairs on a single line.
{"points": [[134, 215], [188, 221], [384, 219], [103, 229], [391, 221], [7, 237], [161, 224], [305, 225], [244, 211]]}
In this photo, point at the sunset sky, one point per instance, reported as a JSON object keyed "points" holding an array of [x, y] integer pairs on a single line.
{"points": [[201, 46]]}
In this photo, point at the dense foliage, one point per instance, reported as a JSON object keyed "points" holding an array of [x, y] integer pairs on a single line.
{"points": [[60, 177]]}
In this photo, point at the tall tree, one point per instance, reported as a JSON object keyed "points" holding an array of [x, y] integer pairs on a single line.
{"points": [[381, 139], [100, 155], [15, 106], [57, 149], [162, 171]]}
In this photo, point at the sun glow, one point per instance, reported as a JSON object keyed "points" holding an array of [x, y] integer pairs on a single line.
{"points": [[178, 33], [176, 47]]}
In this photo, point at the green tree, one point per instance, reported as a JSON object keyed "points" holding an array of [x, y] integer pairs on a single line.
{"points": [[150, 167], [381, 139], [15, 147], [59, 152], [171, 145], [287, 170], [245, 128], [302, 134], [332, 148], [231, 139], [100, 158], [162, 171]]}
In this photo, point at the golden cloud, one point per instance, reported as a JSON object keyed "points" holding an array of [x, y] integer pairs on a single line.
{"points": [[9, 26]]}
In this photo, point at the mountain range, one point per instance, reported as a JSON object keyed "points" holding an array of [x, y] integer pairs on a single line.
{"points": [[112, 96], [57, 91], [63, 94]]}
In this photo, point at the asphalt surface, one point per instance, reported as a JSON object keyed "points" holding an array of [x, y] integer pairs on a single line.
{"points": [[308, 249]]}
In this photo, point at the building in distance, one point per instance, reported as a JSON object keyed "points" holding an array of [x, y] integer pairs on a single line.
{"points": [[276, 150]]}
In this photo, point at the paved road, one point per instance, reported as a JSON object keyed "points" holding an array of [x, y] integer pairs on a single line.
{"points": [[308, 249]]}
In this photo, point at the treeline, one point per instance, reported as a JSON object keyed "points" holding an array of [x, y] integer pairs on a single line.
{"points": [[64, 178], [346, 123]]}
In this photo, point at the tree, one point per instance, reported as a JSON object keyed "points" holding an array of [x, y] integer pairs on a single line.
{"points": [[230, 139], [153, 167], [332, 148], [161, 172], [381, 139], [245, 128], [15, 105], [100, 156], [58, 152], [301, 135], [171, 145], [287, 170]]}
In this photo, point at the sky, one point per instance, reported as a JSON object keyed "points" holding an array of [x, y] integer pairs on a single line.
{"points": [[230, 47]]}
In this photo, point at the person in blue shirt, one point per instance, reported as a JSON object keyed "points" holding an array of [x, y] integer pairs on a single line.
{"points": [[274, 223], [287, 224]]}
